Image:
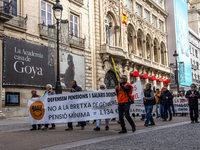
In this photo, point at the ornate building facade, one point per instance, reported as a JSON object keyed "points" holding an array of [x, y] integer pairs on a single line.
{"points": [[139, 48]]}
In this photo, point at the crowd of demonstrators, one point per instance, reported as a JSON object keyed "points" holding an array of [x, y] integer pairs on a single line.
{"points": [[124, 92], [149, 101], [102, 87], [193, 96], [75, 88], [163, 100]]}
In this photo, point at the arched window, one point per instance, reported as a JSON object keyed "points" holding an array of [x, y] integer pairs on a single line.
{"points": [[110, 80], [155, 50], [139, 42], [110, 30], [162, 54], [130, 35], [148, 47]]}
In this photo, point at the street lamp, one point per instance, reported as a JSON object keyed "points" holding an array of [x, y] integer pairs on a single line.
{"points": [[176, 58], [57, 9]]}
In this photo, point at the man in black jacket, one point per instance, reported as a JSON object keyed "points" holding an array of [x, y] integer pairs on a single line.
{"points": [[75, 88], [193, 96], [149, 101]]}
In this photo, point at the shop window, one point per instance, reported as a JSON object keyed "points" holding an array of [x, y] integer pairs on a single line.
{"points": [[74, 25], [46, 13]]}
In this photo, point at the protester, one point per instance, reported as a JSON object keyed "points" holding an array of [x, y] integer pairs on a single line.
{"points": [[34, 94], [157, 94], [47, 93], [166, 97], [149, 101], [193, 96], [102, 87], [75, 88], [161, 107], [124, 92], [182, 96]]}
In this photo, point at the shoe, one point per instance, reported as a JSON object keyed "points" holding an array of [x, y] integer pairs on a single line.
{"points": [[68, 129], [152, 124], [192, 121], [122, 131], [142, 119], [107, 128], [157, 117], [82, 128], [77, 125], [45, 129], [33, 129], [173, 114], [113, 119], [170, 119], [133, 129], [39, 127], [161, 118], [145, 125], [196, 121], [118, 122], [164, 120], [94, 121], [52, 128], [96, 129], [87, 122]]}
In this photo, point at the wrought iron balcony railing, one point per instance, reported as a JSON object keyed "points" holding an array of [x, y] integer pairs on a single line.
{"points": [[77, 41]]}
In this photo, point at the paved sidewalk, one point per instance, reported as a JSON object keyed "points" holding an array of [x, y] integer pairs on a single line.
{"points": [[24, 139]]}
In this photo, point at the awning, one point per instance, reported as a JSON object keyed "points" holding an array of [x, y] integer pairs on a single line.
{"points": [[153, 78], [160, 80], [167, 81], [145, 76], [136, 74]]}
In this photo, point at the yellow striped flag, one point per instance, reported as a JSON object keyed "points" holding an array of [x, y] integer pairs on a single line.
{"points": [[124, 19], [115, 69]]}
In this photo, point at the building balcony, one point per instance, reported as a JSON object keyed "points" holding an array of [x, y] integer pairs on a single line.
{"points": [[43, 30], [77, 2], [114, 51], [5, 13], [18, 21], [76, 42]]}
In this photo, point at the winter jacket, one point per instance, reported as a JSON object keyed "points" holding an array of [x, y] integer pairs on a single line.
{"points": [[163, 99], [150, 98], [77, 88], [192, 100]]}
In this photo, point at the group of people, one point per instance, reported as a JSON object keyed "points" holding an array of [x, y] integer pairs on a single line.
{"points": [[162, 99]]}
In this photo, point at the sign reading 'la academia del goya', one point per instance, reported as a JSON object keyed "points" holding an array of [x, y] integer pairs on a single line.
{"points": [[26, 64]]}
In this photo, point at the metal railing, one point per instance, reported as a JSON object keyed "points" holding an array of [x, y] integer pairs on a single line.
{"points": [[77, 41]]}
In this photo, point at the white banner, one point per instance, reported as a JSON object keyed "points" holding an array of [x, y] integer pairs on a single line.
{"points": [[181, 105], [79, 106]]}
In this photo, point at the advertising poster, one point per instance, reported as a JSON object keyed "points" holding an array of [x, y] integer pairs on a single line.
{"points": [[182, 37], [26, 64], [72, 67]]}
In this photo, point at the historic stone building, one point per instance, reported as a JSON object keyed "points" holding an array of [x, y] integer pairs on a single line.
{"points": [[139, 48], [27, 20]]}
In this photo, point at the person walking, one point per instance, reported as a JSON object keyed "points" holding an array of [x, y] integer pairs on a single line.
{"points": [[193, 96], [75, 88], [157, 94], [149, 101], [166, 98], [49, 92], [124, 92], [34, 95], [102, 87]]}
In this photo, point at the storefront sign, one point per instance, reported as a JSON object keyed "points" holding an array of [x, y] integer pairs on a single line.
{"points": [[26, 64]]}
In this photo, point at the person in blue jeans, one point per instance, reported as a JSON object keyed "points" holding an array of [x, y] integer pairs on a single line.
{"points": [[166, 97], [149, 101], [102, 87]]}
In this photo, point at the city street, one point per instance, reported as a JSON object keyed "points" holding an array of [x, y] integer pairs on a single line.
{"points": [[177, 134]]}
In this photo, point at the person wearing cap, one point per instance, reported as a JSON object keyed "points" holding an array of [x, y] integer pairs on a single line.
{"points": [[157, 95], [149, 101], [102, 87], [166, 98]]}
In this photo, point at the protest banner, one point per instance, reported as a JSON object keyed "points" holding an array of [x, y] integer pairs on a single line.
{"points": [[181, 105], [80, 106]]}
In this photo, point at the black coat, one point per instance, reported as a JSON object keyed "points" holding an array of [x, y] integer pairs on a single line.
{"points": [[163, 99], [192, 100], [77, 88]]}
